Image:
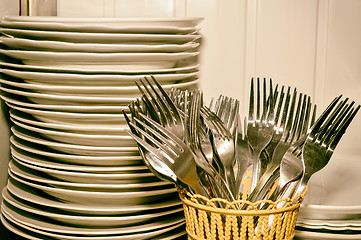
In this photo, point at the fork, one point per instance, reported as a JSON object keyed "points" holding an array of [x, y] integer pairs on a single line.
{"points": [[323, 139], [160, 102], [168, 148], [223, 146], [259, 127]]}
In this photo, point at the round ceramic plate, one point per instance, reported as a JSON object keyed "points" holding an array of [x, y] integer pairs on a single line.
{"points": [[174, 21], [101, 37], [29, 224], [68, 127], [57, 46], [33, 173], [97, 27], [33, 137], [28, 194], [88, 83], [341, 225], [308, 235], [87, 57], [28, 107], [54, 161], [96, 162], [182, 66], [100, 197], [89, 220], [80, 138]]}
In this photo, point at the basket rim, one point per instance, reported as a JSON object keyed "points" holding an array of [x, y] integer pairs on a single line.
{"points": [[295, 204]]}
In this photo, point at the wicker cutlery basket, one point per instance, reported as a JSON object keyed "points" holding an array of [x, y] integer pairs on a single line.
{"points": [[205, 220]]}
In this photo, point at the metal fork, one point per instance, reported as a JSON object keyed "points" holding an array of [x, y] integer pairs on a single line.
{"points": [[259, 127], [223, 146], [168, 148], [324, 138], [160, 106]]}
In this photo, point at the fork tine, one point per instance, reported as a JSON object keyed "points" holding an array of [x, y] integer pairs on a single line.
{"points": [[168, 100], [306, 118], [251, 102], [279, 105], [328, 121], [343, 128], [285, 109], [315, 127], [290, 114], [264, 101], [258, 106], [165, 146], [158, 135], [271, 105], [150, 106], [163, 106], [154, 125], [163, 119], [331, 130], [298, 117]]}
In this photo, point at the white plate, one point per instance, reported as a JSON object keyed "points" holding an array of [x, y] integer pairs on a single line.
{"points": [[101, 198], [101, 37], [88, 118], [41, 230], [81, 138], [340, 225], [67, 99], [174, 21], [72, 148], [55, 161], [26, 193], [307, 235], [68, 127], [28, 107], [97, 27], [34, 173], [90, 220], [182, 66], [57, 46], [83, 83], [99, 58]]}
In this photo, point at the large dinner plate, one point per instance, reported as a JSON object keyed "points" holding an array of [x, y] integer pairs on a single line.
{"points": [[309, 235], [68, 82], [57, 110], [109, 140], [18, 223], [89, 220], [182, 66], [101, 37], [53, 161], [87, 57], [174, 21], [57, 46], [34, 173], [28, 194], [72, 148], [97, 27], [69, 127], [101, 197]]}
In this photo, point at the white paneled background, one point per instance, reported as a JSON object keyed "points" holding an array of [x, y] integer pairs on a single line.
{"points": [[314, 45]]}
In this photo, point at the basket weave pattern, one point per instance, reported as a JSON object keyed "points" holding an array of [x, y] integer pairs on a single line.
{"points": [[205, 220]]}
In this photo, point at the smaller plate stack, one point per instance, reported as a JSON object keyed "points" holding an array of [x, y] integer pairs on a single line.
{"points": [[332, 207], [75, 173]]}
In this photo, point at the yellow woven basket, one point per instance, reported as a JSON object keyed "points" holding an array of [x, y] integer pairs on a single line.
{"points": [[205, 220]]}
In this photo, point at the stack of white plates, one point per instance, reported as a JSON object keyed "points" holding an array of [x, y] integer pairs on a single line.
{"points": [[332, 207], [75, 173]]}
